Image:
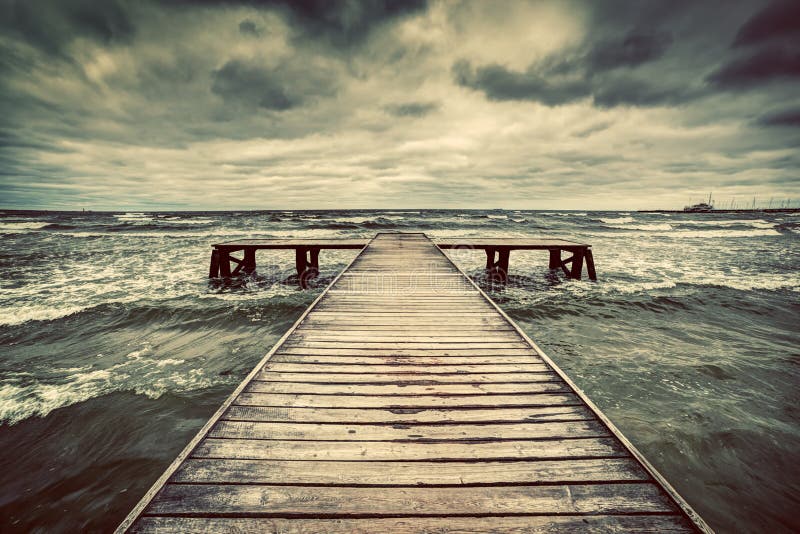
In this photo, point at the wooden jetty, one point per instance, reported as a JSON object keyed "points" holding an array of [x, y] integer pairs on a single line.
{"points": [[405, 400], [498, 250]]}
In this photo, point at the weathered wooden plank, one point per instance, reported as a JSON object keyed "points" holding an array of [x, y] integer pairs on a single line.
{"points": [[409, 450], [407, 379], [257, 386], [406, 352], [389, 369], [400, 301], [229, 471], [407, 416], [409, 313], [399, 338], [563, 524], [377, 290], [407, 401], [417, 361], [436, 345], [423, 329], [382, 305], [443, 322], [362, 432], [262, 500]]}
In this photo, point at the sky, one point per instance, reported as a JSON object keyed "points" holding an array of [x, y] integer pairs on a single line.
{"points": [[317, 104]]}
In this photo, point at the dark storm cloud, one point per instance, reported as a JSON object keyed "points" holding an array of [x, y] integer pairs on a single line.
{"points": [[789, 117], [248, 27], [501, 83], [628, 91], [50, 24], [596, 70], [766, 49], [767, 65], [280, 88], [412, 109], [634, 49], [341, 23], [778, 20]]}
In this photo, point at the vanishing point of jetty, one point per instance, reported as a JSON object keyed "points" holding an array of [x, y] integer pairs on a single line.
{"points": [[405, 400]]}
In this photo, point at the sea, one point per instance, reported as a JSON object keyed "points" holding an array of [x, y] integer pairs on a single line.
{"points": [[115, 347]]}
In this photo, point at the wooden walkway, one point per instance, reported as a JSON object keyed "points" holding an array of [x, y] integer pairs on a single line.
{"points": [[404, 400]]}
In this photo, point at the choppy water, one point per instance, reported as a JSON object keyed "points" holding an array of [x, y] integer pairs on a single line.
{"points": [[115, 349]]}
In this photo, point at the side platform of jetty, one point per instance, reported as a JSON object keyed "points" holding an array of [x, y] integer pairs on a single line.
{"points": [[405, 400], [498, 251]]}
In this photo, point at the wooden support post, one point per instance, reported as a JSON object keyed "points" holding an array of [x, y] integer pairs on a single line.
{"points": [[249, 264], [224, 264], [313, 259], [300, 261], [564, 263], [577, 265], [501, 267], [555, 258], [213, 271], [590, 265], [490, 253], [239, 264]]}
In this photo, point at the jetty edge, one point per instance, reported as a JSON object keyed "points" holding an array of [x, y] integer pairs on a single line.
{"points": [[411, 406]]}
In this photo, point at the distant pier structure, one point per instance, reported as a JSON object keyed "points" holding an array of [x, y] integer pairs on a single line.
{"points": [[413, 407], [225, 263]]}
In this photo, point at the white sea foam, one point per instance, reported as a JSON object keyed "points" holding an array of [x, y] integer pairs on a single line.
{"points": [[618, 220], [654, 227], [15, 314], [177, 220], [755, 223], [132, 216], [20, 398], [16, 227], [704, 234]]}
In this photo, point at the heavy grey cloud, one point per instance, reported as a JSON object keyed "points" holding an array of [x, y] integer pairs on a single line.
{"points": [[789, 117], [50, 24], [767, 49], [280, 88], [412, 109], [777, 21], [768, 64], [593, 69], [248, 27], [383, 103], [341, 23]]}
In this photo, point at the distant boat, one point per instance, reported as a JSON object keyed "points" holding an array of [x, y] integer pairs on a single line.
{"points": [[699, 208], [703, 207]]}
